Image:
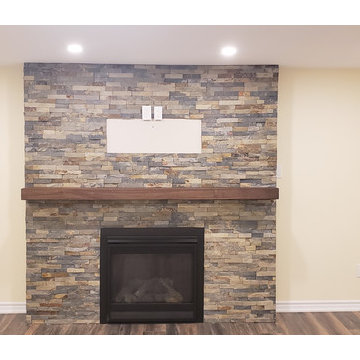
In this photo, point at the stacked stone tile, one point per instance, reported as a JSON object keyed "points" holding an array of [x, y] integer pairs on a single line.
{"points": [[66, 107]]}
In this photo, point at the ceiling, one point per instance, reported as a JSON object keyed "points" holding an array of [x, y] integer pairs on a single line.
{"points": [[292, 46]]}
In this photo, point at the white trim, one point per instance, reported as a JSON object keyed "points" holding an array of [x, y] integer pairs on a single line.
{"points": [[318, 305], [12, 307]]}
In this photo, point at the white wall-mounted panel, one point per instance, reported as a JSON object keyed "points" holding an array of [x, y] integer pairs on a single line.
{"points": [[179, 136]]}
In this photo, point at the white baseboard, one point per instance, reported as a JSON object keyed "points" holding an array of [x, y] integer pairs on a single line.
{"points": [[12, 307], [318, 306]]}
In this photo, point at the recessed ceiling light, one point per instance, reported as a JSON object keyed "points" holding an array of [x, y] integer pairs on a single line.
{"points": [[228, 51], [75, 48]]}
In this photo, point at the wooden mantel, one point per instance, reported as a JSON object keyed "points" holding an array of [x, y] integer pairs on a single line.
{"points": [[229, 193]]}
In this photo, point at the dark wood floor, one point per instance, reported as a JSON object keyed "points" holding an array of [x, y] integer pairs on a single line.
{"points": [[334, 323]]}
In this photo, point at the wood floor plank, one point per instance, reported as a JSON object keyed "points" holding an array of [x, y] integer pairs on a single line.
{"points": [[186, 329], [155, 329], [95, 329], [356, 313], [316, 325], [124, 329], [290, 324], [234, 330], [299, 324], [302, 325], [31, 329], [137, 329], [281, 328], [205, 329], [267, 329], [110, 329], [348, 319], [332, 325], [221, 329], [6, 321], [15, 325], [171, 329], [243, 329], [43, 330], [286, 323], [75, 329]]}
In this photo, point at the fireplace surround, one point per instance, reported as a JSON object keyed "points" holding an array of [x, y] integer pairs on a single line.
{"points": [[151, 275], [66, 108]]}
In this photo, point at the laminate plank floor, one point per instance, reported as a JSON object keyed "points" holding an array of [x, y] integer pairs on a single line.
{"points": [[324, 323]]}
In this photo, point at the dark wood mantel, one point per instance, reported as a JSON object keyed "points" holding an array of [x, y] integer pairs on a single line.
{"points": [[67, 193]]}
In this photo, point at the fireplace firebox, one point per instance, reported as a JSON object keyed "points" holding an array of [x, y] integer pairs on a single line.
{"points": [[151, 275]]}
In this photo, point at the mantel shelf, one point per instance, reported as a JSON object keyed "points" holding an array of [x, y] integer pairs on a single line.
{"points": [[225, 193]]}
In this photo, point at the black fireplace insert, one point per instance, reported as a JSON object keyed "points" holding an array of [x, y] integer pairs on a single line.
{"points": [[151, 275]]}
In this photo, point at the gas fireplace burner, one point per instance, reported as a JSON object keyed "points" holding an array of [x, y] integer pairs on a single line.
{"points": [[151, 275]]}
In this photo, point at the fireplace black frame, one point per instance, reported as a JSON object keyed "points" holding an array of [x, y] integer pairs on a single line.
{"points": [[151, 240]]}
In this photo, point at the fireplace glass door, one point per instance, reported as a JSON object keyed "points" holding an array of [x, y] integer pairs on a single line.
{"points": [[160, 277], [151, 275]]}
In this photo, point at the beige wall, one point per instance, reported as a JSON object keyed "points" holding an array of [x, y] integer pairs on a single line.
{"points": [[318, 212], [12, 209], [319, 208]]}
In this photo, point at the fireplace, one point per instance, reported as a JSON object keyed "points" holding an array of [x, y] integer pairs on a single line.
{"points": [[74, 187], [151, 275]]}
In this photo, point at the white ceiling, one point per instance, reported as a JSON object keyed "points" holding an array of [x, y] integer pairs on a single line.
{"points": [[295, 46]]}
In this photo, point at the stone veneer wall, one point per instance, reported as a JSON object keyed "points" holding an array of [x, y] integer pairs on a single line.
{"points": [[66, 107]]}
